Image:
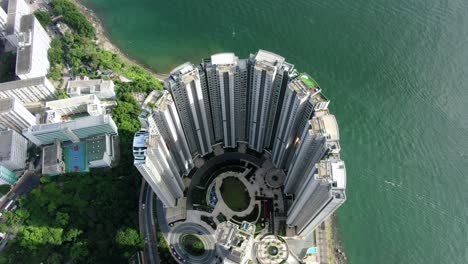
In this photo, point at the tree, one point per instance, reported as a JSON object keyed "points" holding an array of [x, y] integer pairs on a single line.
{"points": [[72, 234], [73, 17], [79, 250], [43, 17], [62, 219], [129, 237]]}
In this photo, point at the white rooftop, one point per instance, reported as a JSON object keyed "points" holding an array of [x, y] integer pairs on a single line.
{"points": [[270, 57], [339, 173], [224, 58], [327, 124], [73, 101]]}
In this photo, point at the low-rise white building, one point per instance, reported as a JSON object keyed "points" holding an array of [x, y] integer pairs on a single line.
{"points": [[13, 150], [14, 115], [103, 89], [58, 110]]}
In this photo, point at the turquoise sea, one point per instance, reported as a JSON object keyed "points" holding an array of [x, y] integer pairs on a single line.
{"points": [[397, 74]]}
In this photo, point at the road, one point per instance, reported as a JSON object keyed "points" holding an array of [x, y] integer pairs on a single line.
{"points": [[25, 184], [195, 229], [146, 222], [322, 243]]}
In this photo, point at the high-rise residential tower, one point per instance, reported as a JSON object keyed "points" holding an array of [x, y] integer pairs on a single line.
{"points": [[227, 82], [13, 150], [14, 115], [321, 135], [34, 42], [302, 98], [166, 119], [269, 76], [155, 163], [320, 196], [186, 89]]}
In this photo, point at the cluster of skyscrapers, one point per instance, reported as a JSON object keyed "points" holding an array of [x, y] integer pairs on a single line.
{"points": [[261, 101]]}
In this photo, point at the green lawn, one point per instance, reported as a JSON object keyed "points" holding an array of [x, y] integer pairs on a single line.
{"points": [[193, 245], [235, 194], [308, 80]]}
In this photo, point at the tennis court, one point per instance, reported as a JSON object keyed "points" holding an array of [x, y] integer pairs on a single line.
{"points": [[75, 157]]}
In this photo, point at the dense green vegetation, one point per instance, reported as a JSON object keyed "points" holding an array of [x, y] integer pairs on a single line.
{"points": [[73, 17], [193, 245], [43, 17], [75, 218], [84, 217], [235, 194]]}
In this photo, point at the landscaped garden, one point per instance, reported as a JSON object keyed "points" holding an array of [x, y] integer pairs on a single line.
{"points": [[235, 194], [193, 245]]}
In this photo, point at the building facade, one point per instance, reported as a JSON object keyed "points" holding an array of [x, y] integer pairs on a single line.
{"points": [[28, 91], [14, 115], [155, 163], [227, 82], [293, 111], [3, 21], [14, 9], [320, 196], [166, 119], [186, 89], [320, 136], [13, 150], [32, 54], [269, 76]]}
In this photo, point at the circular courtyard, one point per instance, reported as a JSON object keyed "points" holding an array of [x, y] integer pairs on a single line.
{"points": [[235, 194]]}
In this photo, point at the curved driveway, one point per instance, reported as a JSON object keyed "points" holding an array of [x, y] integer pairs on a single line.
{"points": [[201, 232], [210, 165]]}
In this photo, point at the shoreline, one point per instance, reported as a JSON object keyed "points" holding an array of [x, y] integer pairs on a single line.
{"points": [[339, 255], [104, 42]]}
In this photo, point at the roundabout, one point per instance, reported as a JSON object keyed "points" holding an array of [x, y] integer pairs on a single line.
{"points": [[192, 243]]}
